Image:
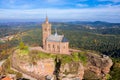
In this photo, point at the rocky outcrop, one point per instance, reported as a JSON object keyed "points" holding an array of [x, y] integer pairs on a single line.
{"points": [[97, 67], [71, 71], [38, 69]]}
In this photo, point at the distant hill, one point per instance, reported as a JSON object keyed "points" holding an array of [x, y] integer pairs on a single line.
{"points": [[94, 27], [96, 23]]}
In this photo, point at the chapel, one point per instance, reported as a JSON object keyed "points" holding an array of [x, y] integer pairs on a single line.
{"points": [[53, 43]]}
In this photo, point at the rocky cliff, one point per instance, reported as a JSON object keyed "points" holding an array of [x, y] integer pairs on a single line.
{"points": [[98, 66], [54, 68]]}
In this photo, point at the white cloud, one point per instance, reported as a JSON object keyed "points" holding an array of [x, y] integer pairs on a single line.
{"points": [[110, 0], [108, 6], [82, 5], [91, 14], [12, 1], [51, 1]]}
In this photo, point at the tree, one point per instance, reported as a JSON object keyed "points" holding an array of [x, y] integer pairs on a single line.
{"points": [[22, 46]]}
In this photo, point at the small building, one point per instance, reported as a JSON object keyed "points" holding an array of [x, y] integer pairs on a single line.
{"points": [[53, 43]]}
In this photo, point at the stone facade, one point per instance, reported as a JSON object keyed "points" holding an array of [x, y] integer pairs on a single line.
{"points": [[53, 43], [57, 47], [46, 31]]}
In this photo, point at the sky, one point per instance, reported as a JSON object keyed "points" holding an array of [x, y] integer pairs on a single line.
{"points": [[82, 10]]}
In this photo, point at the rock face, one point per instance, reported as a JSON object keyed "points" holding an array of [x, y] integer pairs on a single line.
{"points": [[39, 70], [97, 67], [71, 71]]}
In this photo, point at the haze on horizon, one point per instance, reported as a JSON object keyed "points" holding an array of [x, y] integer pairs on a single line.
{"points": [[83, 10]]}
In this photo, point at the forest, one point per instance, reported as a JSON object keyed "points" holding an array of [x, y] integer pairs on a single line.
{"points": [[81, 35]]}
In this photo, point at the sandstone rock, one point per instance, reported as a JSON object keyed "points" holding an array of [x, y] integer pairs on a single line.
{"points": [[97, 67], [72, 71], [100, 65], [42, 68]]}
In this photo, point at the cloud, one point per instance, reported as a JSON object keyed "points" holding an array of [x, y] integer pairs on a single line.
{"points": [[12, 1], [82, 5], [9, 2], [52, 1], [15, 4], [111, 0], [89, 14], [109, 6], [60, 9], [32, 4]]}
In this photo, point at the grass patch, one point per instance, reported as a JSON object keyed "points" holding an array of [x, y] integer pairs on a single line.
{"points": [[40, 55], [79, 56], [45, 55], [23, 52], [23, 49], [1, 42], [36, 55], [65, 58], [76, 57]]}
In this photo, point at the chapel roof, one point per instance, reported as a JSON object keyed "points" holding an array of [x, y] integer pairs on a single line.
{"points": [[57, 38]]}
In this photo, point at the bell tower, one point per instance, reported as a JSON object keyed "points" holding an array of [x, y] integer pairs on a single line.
{"points": [[46, 31]]}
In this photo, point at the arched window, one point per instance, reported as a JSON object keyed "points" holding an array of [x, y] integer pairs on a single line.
{"points": [[48, 45], [53, 46], [58, 47]]}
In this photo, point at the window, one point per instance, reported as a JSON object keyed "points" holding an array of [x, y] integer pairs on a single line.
{"points": [[53, 46], [45, 29], [48, 45], [58, 47]]}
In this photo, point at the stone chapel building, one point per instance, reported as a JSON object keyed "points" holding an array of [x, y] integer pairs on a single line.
{"points": [[53, 43]]}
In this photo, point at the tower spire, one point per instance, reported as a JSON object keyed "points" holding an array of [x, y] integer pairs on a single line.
{"points": [[46, 21]]}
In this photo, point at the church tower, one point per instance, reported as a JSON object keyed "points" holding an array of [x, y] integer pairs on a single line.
{"points": [[46, 31]]}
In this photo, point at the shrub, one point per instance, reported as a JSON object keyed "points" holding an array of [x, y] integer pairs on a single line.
{"points": [[18, 75], [22, 46], [115, 71]]}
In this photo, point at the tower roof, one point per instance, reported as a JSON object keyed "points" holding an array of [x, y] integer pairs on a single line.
{"points": [[46, 21]]}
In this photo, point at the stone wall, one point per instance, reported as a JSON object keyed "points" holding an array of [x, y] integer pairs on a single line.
{"points": [[58, 47]]}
